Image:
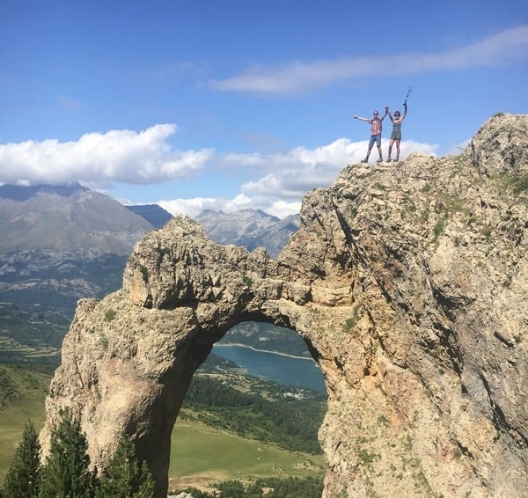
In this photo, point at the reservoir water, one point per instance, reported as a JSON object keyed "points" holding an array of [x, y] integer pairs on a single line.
{"points": [[286, 370]]}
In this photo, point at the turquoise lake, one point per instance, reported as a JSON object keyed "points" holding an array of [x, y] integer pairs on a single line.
{"points": [[296, 372]]}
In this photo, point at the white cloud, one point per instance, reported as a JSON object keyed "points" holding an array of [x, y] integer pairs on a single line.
{"points": [[291, 174], [99, 159], [298, 76], [287, 177], [193, 207], [279, 180]]}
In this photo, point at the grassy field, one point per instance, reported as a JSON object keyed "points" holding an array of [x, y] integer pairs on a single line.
{"points": [[200, 455], [22, 395]]}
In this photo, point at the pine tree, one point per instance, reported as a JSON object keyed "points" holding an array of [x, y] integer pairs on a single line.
{"points": [[22, 480], [66, 473], [125, 475]]}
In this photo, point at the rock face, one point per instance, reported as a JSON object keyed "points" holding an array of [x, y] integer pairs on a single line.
{"points": [[408, 284]]}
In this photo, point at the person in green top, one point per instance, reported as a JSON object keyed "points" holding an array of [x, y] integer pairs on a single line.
{"points": [[395, 137]]}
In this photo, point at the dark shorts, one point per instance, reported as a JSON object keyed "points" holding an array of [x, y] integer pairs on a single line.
{"points": [[375, 139], [396, 135]]}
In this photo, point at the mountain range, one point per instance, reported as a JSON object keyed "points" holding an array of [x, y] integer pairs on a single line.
{"points": [[60, 243], [74, 218], [66, 217], [249, 228]]}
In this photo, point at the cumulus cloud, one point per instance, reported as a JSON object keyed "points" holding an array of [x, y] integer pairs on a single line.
{"points": [[99, 159], [193, 207], [285, 178], [506, 46], [291, 174], [277, 185]]}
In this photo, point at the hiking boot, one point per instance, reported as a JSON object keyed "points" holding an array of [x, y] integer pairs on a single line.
{"points": [[365, 160], [389, 160], [380, 160]]}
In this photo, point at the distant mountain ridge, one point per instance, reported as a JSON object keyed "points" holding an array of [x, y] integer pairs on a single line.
{"points": [[22, 193], [154, 214], [66, 217], [71, 217], [60, 243], [250, 228]]}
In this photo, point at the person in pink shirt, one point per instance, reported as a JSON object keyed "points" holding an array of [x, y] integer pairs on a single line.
{"points": [[375, 133]]}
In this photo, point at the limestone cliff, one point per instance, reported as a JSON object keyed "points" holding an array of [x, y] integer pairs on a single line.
{"points": [[409, 285]]}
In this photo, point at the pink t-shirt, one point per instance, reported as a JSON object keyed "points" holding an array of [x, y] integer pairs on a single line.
{"points": [[375, 126]]}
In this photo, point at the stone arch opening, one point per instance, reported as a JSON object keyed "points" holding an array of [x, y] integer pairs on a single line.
{"points": [[130, 373], [301, 382], [128, 360]]}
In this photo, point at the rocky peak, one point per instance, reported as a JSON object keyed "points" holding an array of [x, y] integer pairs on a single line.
{"points": [[66, 217], [250, 228], [408, 283], [500, 146]]}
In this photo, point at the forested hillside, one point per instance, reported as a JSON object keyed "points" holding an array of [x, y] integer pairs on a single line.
{"points": [[257, 409]]}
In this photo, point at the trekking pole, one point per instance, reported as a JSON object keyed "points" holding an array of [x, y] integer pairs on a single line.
{"points": [[409, 90]]}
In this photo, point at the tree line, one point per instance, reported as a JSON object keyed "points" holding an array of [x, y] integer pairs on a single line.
{"points": [[259, 411], [290, 423], [66, 472], [292, 487]]}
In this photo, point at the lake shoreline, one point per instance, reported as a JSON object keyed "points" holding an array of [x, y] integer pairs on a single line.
{"points": [[227, 344]]}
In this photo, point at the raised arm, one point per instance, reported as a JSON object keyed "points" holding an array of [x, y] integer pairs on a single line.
{"points": [[361, 118], [404, 110]]}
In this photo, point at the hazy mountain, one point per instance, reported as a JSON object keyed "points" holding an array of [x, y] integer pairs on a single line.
{"points": [[154, 214], [62, 243], [66, 217], [250, 228]]}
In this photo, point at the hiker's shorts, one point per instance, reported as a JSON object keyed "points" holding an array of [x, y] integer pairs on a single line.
{"points": [[375, 139]]}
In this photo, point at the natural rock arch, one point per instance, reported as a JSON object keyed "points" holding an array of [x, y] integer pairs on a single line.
{"points": [[133, 354], [408, 285]]}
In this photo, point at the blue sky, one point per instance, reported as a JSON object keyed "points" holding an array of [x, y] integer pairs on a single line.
{"points": [[230, 104]]}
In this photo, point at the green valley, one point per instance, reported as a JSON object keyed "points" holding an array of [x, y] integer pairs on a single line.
{"points": [[231, 426]]}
